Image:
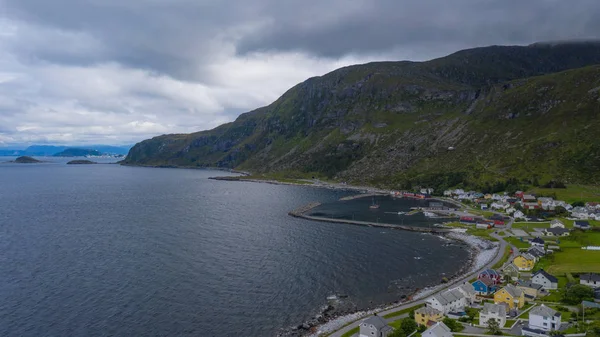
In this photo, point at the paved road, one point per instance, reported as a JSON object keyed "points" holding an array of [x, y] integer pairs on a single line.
{"points": [[407, 305]]}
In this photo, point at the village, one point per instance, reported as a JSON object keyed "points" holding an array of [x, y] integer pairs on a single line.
{"points": [[547, 283]]}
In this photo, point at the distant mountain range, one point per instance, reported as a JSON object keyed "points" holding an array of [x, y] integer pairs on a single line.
{"points": [[51, 150], [480, 117]]}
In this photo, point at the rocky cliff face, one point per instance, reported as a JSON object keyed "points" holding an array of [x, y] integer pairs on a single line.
{"points": [[476, 115]]}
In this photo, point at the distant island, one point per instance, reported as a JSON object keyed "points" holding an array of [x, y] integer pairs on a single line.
{"points": [[74, 152], [81, 162], [26, 160]]}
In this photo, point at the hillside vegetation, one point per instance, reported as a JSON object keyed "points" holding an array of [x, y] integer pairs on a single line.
{"points": [[485, 116]]}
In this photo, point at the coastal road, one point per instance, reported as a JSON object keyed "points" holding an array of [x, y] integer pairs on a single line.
{"points": [[407, 305]]}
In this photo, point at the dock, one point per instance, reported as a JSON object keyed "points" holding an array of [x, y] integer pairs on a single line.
{"points": [[301, 213], [363, 195]]}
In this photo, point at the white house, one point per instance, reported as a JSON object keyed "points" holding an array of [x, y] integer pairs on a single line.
{"points": [[544, 279], [439, 329], [518, 215], [556, 224], [544, 318], [537, 242], [500, 205], [511, 210], [374, 326], [468, 292], [493, 311], [590, 280], [581, 225], [556, 231], [448, 301]]}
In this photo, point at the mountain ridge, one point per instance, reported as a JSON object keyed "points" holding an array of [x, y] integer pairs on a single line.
{"points": [[344, 124]]}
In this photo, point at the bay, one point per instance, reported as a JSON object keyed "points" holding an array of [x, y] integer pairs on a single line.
{"points": [[107, 250]]}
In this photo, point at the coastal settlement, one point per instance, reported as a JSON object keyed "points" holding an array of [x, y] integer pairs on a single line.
{"points": [[547, 282]]}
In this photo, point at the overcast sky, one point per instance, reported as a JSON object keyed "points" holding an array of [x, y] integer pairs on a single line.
{"points": [[119, 71]]}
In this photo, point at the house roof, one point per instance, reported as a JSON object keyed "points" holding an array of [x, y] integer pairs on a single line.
{"points": [[542, 310], [537, 240], [590, 277], [526, 256], [378, 322], [536, 252], [546, 275], [582, 224], [494, 308], [556, 221], [490, 272], [486, 280], [510, 266], [448, 296], [529, 284], [512, 290], [468, 289], [439, 329], [428, 311], [557, 231]]}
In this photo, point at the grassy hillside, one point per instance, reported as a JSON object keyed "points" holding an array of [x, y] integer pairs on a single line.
{"points": [[511, 114]]}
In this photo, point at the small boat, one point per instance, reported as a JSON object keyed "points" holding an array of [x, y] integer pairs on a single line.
{"points": [[374, 205], [332, 297], [429, 214]]}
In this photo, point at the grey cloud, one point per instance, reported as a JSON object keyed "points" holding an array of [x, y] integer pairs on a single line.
{"points": [[379, 26], [128, 69]]}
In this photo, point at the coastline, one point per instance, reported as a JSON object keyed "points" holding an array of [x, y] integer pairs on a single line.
{"points": [[478, 258]]}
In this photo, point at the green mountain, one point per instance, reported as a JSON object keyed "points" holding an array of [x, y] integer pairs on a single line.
{"points": [[484, 116], [76, 152]]}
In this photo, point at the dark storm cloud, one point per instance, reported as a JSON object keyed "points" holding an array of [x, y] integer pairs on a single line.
{"points": [[173, 36], [379, 26]]}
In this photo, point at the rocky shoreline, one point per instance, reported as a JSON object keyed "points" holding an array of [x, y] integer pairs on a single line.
{"points": [[329, 320]]}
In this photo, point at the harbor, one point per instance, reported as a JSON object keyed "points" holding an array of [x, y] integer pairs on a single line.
{"points": [[304, 212]]}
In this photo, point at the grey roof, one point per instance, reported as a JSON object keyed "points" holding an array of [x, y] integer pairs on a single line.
{"points": [[546, 275], [590, 277], [542, 310], [378, 322], [510, 266], [427, 311], [556, 221], [513, 291], [537, 240], [448, 296], [527, 256], [439, 329], [536, 252], [468, 289], [529, 284], [557, 231], [494, 308], [582, 224]]}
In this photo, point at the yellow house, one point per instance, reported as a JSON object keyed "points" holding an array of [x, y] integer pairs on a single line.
{"points": [[511, 295], [524, 262], [426, 314]]}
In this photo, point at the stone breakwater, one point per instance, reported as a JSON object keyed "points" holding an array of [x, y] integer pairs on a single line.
{"points": [[301, 213]]}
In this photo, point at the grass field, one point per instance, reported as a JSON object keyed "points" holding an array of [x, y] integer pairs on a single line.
{"points": [[351, 332], [403, 311], [571, 258], [531, 225], [484, 233], [517, 242], [572, 193]]}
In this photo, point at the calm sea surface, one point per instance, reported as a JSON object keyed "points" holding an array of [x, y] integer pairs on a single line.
{"points": [[106, 250]]}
